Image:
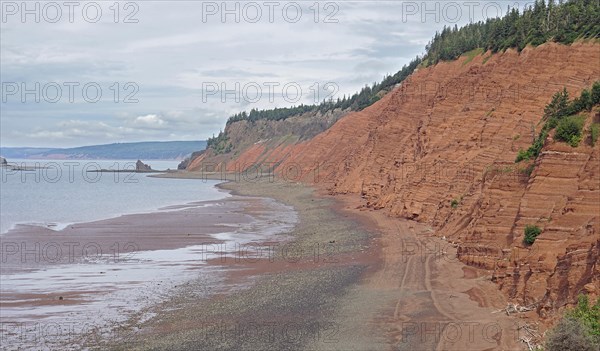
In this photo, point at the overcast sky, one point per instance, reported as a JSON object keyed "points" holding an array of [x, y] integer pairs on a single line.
{"points": [[162, 67]]}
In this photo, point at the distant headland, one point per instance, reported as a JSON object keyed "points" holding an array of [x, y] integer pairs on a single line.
{"points": [[148, 150]]}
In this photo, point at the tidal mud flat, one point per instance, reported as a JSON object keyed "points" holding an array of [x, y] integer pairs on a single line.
{"points": [[59, 288], [282, 299], [353, 279], [316, 272]]}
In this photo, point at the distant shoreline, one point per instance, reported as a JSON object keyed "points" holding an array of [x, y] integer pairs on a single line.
{"points": [[148, 150], [130, 171]]}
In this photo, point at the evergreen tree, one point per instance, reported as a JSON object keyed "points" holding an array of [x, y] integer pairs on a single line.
{"points": [[559, 106], [562, 22]]}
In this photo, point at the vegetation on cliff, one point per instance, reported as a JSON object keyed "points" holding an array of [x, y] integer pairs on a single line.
{"points": [[562, 22], [366, 97], [579, 329], [560, 113], [569, 130], [219, 144], [537, 24], [531, 232]]}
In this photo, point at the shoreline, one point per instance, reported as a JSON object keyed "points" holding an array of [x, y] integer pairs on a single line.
{"points": [[141, 208], [350, 278], [393, 285], [123, 264], [293, 292]]}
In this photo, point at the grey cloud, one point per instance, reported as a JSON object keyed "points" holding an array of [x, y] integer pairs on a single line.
{"points": [[170, 52]]}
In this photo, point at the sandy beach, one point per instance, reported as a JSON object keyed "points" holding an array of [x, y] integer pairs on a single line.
{"points": [[382, 284], [344, 278]]}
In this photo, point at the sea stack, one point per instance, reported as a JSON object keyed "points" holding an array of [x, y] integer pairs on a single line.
{"points": [[142, 167]]}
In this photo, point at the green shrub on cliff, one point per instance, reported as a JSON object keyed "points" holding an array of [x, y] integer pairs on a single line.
{"points": [[531, 233], [578, 329], [454, 203], [534, 150], [523, 155], [588, 314], [569, 335], [569, 130], [559, 114], [583, 102], [220, 143]]}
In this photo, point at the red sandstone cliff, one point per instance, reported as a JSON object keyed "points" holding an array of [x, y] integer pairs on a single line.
{"points": [[451, 132]]}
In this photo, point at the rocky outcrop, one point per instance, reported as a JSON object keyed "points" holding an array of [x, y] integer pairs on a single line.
{"points": [[440, 149], [3, 161], [142, 167]]}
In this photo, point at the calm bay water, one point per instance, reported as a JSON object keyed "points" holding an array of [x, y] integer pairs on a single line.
{"points": [[102, 294], [61, 192]]}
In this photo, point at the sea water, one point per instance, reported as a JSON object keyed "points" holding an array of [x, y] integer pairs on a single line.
{"points": [[108, 293], [55, 193]]}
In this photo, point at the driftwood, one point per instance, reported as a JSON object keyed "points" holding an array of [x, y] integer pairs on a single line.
{"points": [[516, 308], [530, 330], [532, 335], [528, 342]]}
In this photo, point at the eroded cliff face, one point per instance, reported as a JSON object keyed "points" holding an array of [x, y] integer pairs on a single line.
{"points": [[253, 142], [440, 149]]}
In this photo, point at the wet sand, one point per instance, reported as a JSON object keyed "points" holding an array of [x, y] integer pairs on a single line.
{"points": [[351, 279], [58, 286], [384, 284]]}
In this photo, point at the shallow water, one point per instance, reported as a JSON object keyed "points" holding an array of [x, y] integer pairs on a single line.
{"points": [[58, 193], [54, 306]]}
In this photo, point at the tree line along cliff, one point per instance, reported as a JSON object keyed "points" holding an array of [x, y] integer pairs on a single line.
{"points": [[480, 144]]}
